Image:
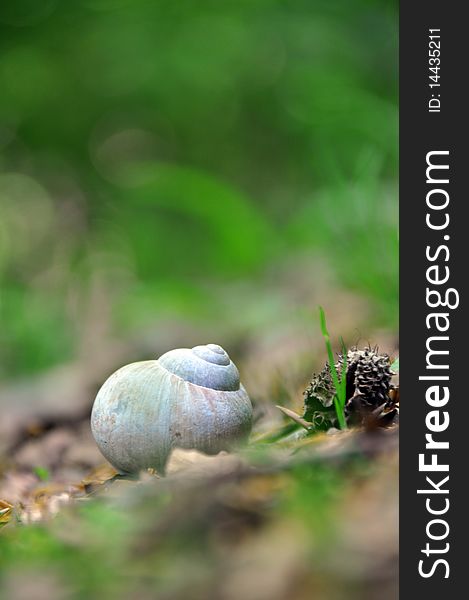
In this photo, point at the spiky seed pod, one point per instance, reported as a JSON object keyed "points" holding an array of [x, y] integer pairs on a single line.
{"points": [[368, 376], [321, 388], [368, 386], [319, 398]]}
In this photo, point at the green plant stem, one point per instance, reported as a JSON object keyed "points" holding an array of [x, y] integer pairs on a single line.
{"points": [[340, 385]]}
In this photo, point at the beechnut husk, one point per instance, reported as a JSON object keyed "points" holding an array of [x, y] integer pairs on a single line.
{"points": [[369, 391]]}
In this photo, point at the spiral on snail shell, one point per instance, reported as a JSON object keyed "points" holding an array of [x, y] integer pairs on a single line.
{"points": [[188, 398]]}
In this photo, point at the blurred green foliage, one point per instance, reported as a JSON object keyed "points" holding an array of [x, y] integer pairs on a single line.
{"points": [[135, 549], [147, 148]]}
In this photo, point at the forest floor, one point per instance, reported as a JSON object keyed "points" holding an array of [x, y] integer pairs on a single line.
{"points": [[296, 518]]}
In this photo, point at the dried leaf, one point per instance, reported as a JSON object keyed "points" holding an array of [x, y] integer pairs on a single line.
{"points": [[194, 462], [6, 512], [98, 476], [45, 502], [295, 417]]}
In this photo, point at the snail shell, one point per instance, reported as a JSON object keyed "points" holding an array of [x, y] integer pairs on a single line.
{"points": [[189, 398]]}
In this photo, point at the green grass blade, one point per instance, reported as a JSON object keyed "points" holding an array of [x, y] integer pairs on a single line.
{"points": [[340, 413], [340, 385], [343, 375]]}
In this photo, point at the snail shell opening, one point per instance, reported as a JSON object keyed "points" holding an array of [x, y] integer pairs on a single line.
{"points": [[208, 366]]}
